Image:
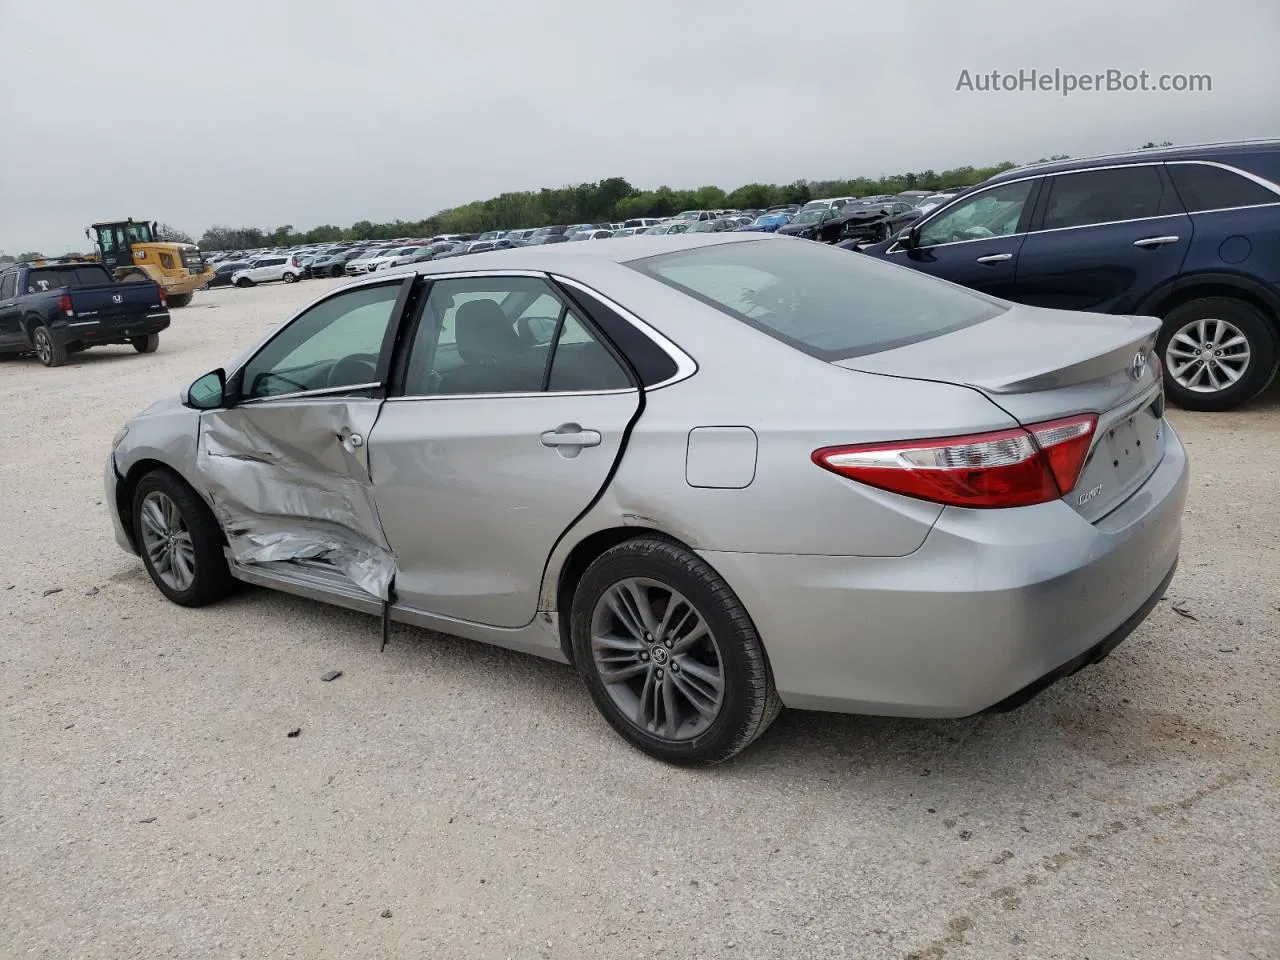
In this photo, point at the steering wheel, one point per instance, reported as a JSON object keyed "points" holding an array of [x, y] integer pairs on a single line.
{"points": [[352, 370]]}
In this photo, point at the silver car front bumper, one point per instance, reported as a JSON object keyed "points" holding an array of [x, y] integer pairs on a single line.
{"points": [[993, 605], [111, 481]]}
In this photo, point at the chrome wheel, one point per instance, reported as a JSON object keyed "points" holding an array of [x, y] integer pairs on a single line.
{"points": [[44, 346], [167, 541], [1207, 355], [657, 658]]}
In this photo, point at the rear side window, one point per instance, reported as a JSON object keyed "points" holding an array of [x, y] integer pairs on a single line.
{"points": [[8, 285], [829, 303], [39, 280], [1203, 187], [1106, 196]]}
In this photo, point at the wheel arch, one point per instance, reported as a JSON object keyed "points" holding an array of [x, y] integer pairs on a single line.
{"points": [[584, 553], [1200, 286], [128, 485]]}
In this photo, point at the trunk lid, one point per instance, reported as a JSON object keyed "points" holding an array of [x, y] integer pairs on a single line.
{"points": [[1039, 365], [115, 301]]}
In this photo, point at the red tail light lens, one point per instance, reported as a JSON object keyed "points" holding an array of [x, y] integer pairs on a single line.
{"points": [[1005, 468], [164, 299], [64, 304]]}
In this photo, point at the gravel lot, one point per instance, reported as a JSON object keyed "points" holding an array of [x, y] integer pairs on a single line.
{"points": [[446, 800]]}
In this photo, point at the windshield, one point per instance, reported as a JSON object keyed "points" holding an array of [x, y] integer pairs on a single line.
{"points": [[809, 216], [769, 219], [825, 302], [139, 233]]}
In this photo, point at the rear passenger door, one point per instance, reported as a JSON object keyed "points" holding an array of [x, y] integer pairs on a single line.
{"points": [[1103, 239], [511, 411]]}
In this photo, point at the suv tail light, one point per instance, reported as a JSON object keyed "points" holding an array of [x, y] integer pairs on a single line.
{"points": [[64, 304], [1004, 468]]}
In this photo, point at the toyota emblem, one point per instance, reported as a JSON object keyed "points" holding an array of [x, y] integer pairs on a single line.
{"points": [[1139, 365]]}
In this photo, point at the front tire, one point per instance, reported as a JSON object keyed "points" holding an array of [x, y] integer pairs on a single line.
{"points": [[179, 299], [670, 655], [244, 283], [1218, 353], [48, 351], [148, 344], [179, 540]]}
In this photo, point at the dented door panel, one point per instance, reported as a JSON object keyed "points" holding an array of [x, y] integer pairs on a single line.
{"points": [[289, 480]]}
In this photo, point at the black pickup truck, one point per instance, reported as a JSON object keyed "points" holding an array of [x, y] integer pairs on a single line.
{"points": [[56, 309]]}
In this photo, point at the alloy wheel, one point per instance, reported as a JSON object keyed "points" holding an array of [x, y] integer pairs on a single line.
{"points": [[168, 541], [44, 347], [658, 659], [1207, 355]]}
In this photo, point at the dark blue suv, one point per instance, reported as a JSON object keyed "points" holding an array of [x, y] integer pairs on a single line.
{"points": [[1187, 234]]}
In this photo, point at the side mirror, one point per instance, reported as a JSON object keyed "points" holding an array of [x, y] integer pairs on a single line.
{"points": [[909, 238], [209, 392]]}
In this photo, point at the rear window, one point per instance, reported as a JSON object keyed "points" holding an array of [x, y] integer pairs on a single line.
{"points": [[829, 303], [41, 280]]}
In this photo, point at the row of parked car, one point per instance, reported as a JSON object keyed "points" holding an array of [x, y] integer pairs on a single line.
{"points": [[831, 220]]}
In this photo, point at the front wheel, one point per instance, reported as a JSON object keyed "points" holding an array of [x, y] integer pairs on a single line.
{"points": [[1218, 353], [244, 282], [179, 299], [290, 278], [179, 540], [148, 344], [48, 351], [670, 655]]}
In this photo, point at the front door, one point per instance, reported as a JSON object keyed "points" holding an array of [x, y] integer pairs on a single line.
{"points": [[510, 419], [114, 245], [288, 463], [975, 242], [1106, 239], [11, 334]]}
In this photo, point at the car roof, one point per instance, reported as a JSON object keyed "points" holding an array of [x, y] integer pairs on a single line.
{"points": [[1204, 151]]}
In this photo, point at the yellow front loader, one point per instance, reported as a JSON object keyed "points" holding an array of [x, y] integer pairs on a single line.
{"points": [[130, 250]]}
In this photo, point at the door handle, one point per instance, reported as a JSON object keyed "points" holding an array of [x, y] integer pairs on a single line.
{"points": [[995, 257], [1154, 241], [571, 435]]}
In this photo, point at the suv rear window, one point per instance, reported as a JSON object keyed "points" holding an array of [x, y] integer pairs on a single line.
{"points": [[829, 303]]}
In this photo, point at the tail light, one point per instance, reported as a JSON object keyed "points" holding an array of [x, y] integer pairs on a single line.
{"points": [[64, 304], [1005, 468], [164, 299]]}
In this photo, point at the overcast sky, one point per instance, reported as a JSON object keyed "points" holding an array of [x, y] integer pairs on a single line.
{"points": [[332, 111]]}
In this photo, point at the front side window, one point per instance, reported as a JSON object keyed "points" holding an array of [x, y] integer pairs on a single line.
{"points": [[8, 285], [1106, 196], [1204, 187], [818, 299], [337, 343], [992, 213], [497, 335], [140, 233]]}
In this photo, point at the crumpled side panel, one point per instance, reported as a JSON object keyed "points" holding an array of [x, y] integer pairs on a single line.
{"points": [[284, 487]]}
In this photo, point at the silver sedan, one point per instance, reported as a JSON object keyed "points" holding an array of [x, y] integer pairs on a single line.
{"points": [[718, 474]]}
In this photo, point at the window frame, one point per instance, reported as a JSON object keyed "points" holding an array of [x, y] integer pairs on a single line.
{"points": [[395, 391], [1025, 219], [377, 388]]}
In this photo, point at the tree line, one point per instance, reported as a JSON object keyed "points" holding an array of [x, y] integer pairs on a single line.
{"points": [[606, 201]]}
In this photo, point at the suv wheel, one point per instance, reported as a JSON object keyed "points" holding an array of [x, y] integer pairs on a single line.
{"points": [[1218, 353], [669, 654], [148, 344], [244, 282], [290, 278], [47, 351]]}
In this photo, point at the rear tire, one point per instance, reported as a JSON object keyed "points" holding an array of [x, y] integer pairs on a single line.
{"points": [[168, 519], [660, 583], [290, 278], [1242, 342], [179, 299], [244, 282], [134, 276], [48, 351], [148, 344]]}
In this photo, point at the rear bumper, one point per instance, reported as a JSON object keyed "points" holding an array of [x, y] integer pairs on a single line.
{"points": [[109, 329], [993, 607]]}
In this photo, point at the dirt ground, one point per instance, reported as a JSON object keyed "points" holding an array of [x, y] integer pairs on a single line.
{"points": [[449, 800]]}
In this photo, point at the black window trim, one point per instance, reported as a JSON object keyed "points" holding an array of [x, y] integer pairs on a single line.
{"points": [[1042, 202], [377, 388]]}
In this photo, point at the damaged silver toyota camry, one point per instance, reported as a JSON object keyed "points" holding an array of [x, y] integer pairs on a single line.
{"points": [[717, 474]]}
